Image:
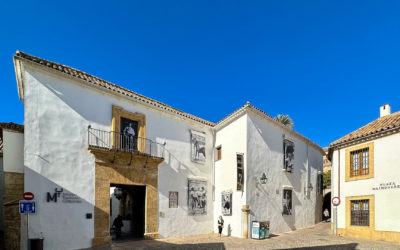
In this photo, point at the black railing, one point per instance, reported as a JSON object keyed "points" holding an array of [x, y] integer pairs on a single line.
{"points": [[111, 140]]}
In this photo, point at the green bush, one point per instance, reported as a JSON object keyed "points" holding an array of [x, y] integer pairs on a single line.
{"points": [[327, 179]]}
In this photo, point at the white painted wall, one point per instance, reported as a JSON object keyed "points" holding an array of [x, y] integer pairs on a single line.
{"points": [[386, 169], [232, 140], [13, 151], [1, 191], [265, 155], [262, 145], [58, 111]]}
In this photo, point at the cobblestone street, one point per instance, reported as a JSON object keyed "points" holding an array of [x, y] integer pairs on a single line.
{"points": [[317, 237]]}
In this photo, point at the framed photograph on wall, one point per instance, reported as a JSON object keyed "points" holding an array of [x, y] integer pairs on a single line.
{"points": [[197, 197], [173, 199], [226, 203], [198, 146]]}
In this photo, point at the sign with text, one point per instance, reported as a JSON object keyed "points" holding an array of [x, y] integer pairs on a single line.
{"points": [[27, 207], [65, 197], [387, 185]]}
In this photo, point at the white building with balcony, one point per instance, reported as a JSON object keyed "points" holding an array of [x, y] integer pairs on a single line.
{"points": [[171, 170]]}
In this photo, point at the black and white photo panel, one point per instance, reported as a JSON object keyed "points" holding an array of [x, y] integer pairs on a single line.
{"points": [[128, 134], [288, 148], [226, 203], [197, 197], [198, 147]]}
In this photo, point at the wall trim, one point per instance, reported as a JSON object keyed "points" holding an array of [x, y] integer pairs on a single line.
{"points": [[370, 174]]}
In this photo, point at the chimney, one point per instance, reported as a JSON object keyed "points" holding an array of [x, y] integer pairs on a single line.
{"points": [[385, 110]]}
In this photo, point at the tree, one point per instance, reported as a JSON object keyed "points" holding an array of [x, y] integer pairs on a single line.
{"points": [[327, 179], [285, 120]]}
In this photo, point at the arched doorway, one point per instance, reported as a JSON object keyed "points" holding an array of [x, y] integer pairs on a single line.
{"points": [[326, 205]]}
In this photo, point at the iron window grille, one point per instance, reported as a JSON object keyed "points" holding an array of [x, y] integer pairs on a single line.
{"points": [[359, 212]]}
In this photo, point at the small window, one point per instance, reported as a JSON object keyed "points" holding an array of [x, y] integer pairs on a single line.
{"points": [[219, 153], [359, 212], [359, 162], [287, 202], [240, 172], [288, 155], [320, 183]]}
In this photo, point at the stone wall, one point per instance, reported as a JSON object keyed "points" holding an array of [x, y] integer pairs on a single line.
{"points": [[141, 170], [13, 191]]}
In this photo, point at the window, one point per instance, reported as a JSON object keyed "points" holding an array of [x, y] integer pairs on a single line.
{"points": [[240, 172], [287, 202], [288, 155], [219, 153], [320, 182], [359, 212], [359, 162]]}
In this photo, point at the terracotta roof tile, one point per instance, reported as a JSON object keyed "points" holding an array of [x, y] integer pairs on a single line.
{"points": [[12, 126], [108, 85], [380, 125]]}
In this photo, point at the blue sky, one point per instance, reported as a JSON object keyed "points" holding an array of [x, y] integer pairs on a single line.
{"points": [[328, 64]]}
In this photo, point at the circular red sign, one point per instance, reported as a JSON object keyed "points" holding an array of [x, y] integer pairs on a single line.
{"points": [[28, 196], [335, 201]]}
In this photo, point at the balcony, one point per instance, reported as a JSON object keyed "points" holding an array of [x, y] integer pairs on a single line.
{"points": [[117, 142]]}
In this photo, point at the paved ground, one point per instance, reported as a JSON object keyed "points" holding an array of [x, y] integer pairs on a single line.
{"points": [[317, 237]]}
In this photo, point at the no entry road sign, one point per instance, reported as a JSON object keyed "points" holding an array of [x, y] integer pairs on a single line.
{"points": [[28, 196], [27, 207], [336, 201]]}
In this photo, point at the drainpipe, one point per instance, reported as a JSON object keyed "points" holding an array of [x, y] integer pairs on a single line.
{"points": [[339, 173]]}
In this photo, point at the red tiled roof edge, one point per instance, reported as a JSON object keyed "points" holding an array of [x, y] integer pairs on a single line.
{"points": [[264, 114], [12, 126], [108, 85], [388, 123]]}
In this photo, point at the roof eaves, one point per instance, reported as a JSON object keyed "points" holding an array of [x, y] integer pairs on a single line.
{"points": [[12, 126], [364, 138], [105, 85], [287, 129]]}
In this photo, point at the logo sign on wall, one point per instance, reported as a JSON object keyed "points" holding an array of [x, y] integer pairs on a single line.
{"points": [[336, 201], [66, 197]]}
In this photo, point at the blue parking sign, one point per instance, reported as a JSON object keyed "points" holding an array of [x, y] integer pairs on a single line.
{"points": [[27, 207]]}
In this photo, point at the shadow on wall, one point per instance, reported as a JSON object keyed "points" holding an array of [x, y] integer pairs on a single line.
{"points": [[174, 169], [58, 210]]}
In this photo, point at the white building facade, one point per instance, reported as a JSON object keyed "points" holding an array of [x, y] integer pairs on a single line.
{"points": [[76, 148], [366, 178]]}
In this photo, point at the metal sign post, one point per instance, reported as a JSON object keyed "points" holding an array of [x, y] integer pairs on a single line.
{"points": [[335, 203], [27, 207]]}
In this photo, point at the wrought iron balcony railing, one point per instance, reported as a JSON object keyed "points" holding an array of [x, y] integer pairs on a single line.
{"points": [[111, 140]]}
